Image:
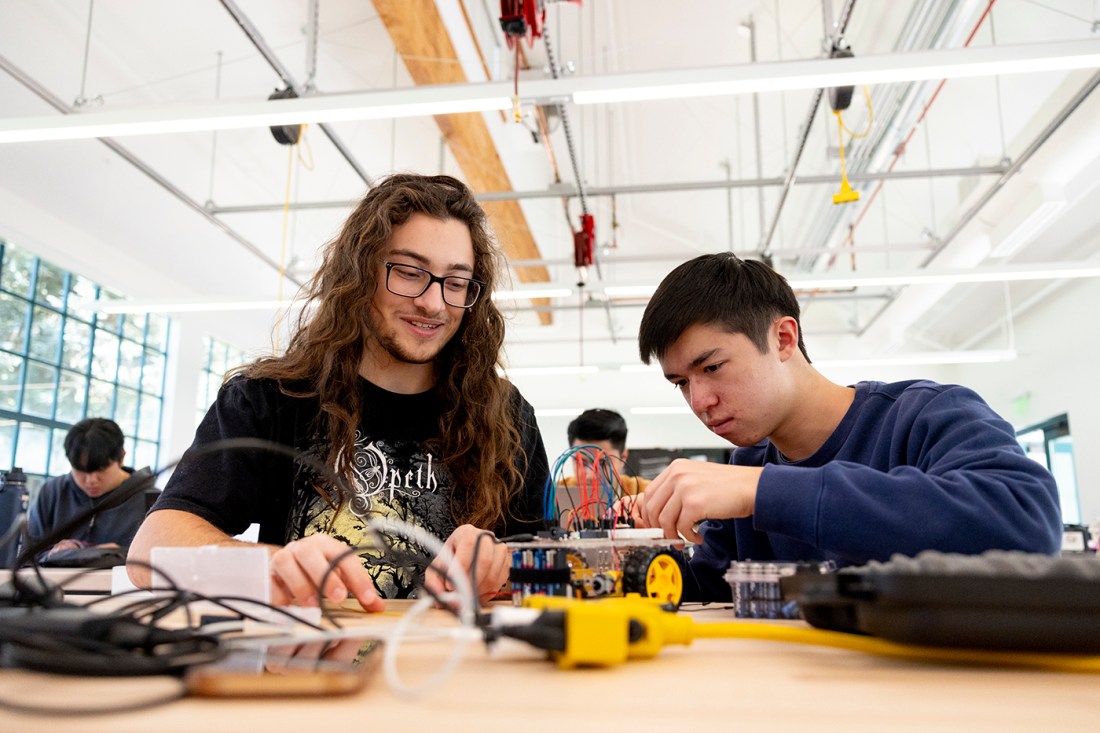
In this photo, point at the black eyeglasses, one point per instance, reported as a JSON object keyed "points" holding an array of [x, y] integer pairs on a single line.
{"points": [[411, 282]]}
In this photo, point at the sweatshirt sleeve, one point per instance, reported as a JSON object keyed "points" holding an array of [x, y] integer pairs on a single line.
{"points": [[947, 474]]}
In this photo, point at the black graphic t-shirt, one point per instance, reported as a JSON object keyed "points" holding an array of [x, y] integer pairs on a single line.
{"points": [[397, 473]]}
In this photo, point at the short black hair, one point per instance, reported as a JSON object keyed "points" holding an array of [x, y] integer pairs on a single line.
{"points": [[93, 444], [741, 296], [599, 424]]}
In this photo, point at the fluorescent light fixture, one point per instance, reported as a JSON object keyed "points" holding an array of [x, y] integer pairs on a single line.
{"points": [[846, 281], [1002, 273], [628, 291], [640, 368], [230, 115], [549, 371], [679, 410], [532, 293], [112, 307], [990, 356], [441, 99], [819, 73], [559, 412], [1027, 230]]}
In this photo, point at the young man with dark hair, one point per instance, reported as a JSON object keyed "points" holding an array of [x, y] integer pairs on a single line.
{"points": [[95, 451], [605, 429], [822, 471], [391, 380]]}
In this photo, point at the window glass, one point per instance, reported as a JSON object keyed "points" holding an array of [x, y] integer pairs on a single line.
{"points": [[129, 364], [61, 360], [59, 463], [217, 357], [149, 418], [126, 410], [45, 334], [152, 372], [32, 453], [11, 382], [39, 390], [82, 293], [157, 333], [13, 322], [109, 321], [71, 392], [15, 274], [7, 444], [105, 355], [145, 454], [49, 287], [100, 399], [220, 358], [133, 326], [76, 347]]}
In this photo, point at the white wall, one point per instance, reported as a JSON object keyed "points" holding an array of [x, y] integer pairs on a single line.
{"points": [[1059, 348]]}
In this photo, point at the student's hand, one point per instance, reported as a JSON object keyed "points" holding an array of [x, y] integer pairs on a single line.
{"points": [[687, 492], [297, 568], [630, 507], [493, 561], [69, 544]]}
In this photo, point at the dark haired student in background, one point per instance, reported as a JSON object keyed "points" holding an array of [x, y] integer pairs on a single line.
{"points": [[95, 451]]}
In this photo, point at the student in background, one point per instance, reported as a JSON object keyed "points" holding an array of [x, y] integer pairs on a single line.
{"points": [[600, 480], [606, 429], [822, 471], [95, 451]]}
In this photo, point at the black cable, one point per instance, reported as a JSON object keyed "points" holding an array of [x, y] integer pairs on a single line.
{"points": [[26, 709]]}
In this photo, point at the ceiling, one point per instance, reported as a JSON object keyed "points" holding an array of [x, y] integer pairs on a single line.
{"points": [[946, 171]]}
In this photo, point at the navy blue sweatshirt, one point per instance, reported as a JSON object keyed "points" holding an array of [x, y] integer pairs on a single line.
{"points": [[912, 466], [60, 499]]}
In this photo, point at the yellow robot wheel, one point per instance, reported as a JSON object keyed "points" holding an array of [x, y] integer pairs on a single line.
{"points": [[654, 573]]}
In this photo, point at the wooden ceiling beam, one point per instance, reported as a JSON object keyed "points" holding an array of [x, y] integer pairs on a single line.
{"points": [[422, 41]]}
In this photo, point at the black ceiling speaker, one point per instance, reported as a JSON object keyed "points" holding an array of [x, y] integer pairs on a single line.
{"points": [[840, 98], [286, 134]]}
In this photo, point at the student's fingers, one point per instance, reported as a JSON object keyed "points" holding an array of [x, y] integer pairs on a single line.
{"points": [[301, 565], [316, 557], [286, 568], [280, 594], [496, 571], [653, 502]]}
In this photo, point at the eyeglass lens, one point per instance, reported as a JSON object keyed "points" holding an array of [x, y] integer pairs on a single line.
{"points": [[412, 282]]}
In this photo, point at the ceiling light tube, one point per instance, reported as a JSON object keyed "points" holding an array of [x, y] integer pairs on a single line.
{"points": [[627, 291], [559, 412], [1003, 273], [532, 293], [818, 73], [548, 371], [113, 307], [440, 99], [231, 115], [989, 356]]}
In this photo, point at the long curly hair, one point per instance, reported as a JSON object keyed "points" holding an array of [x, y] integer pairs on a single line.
{"points": [[479, 441]]}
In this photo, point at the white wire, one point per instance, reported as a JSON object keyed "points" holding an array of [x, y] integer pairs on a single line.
{"points": [[393, 645], [467, 611], [467, 608]]}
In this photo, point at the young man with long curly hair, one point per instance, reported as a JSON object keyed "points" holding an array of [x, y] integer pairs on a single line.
{"points": [[390, 378]]}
